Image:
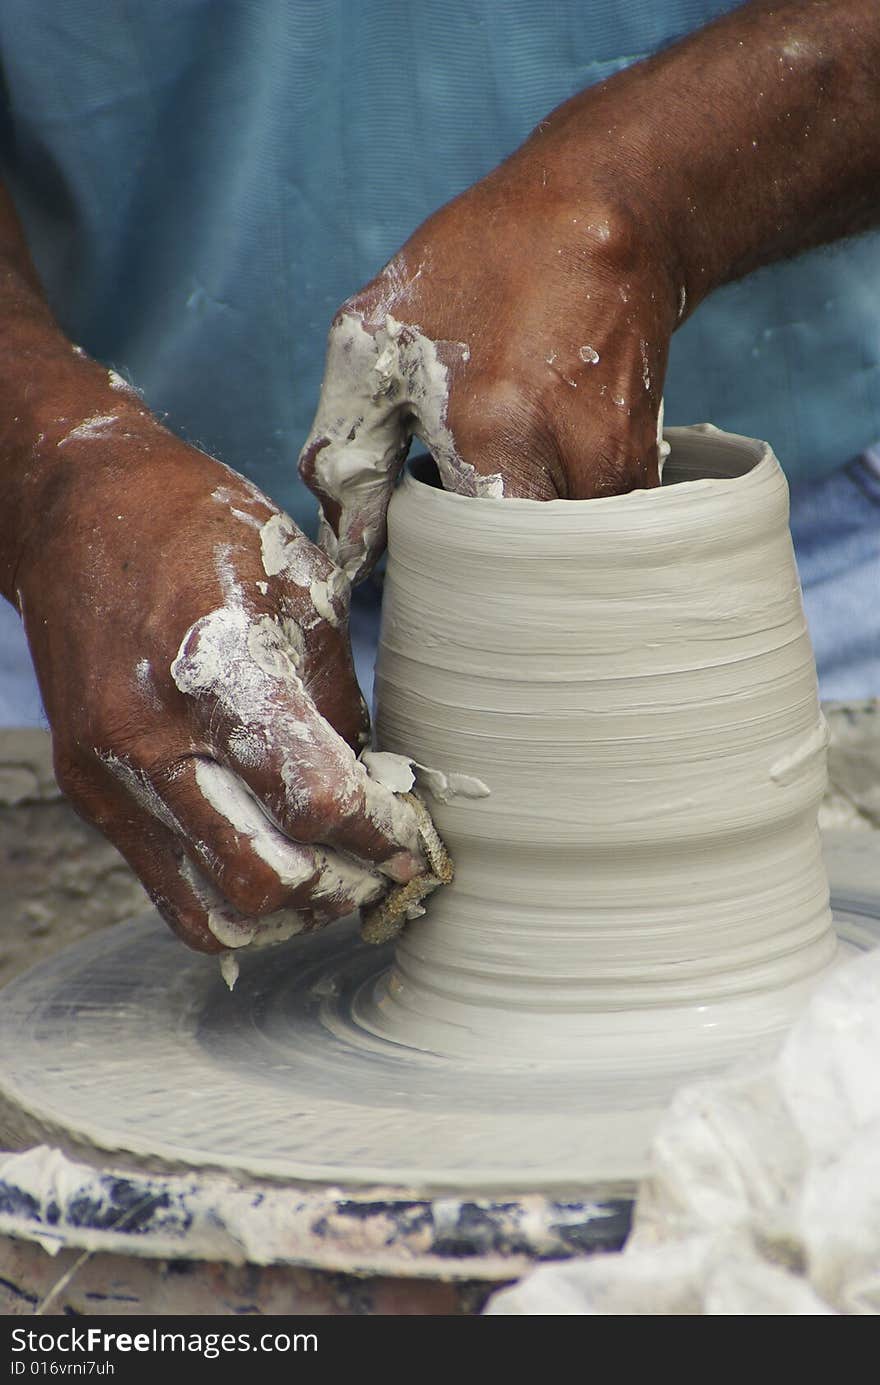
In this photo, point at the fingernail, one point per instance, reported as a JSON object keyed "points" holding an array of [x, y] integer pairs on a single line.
{"points": [[403, 866]]}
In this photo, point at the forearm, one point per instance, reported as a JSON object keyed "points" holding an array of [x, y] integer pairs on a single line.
{"points": [[47, 388], [757, 137]]}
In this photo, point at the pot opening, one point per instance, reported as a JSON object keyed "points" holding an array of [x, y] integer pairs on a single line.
{"points": [[698, 453]]}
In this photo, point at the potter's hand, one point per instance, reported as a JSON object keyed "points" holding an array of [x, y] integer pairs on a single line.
{"points": [[522, 333], [192, 652], [191, 648]]}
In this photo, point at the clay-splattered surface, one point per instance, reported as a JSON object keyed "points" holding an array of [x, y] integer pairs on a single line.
{"points": [[96, 1284]]}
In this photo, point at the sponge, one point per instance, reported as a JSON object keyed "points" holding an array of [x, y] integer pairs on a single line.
{"points": [[386, 920]]}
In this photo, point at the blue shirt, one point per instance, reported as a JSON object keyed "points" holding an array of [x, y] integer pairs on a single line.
{"points": [[204, 181]]}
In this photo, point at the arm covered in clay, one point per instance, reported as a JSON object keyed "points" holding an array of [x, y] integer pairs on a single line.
{"points": [[522, 333], [191, 647]]}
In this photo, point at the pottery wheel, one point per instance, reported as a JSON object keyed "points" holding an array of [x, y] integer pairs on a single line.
{"points": [[124, 1045]]}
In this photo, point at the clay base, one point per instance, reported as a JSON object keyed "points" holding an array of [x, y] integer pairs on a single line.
{"points": [[124, 1045]]}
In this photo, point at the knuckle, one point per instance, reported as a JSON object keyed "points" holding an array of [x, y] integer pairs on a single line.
{"points": [[509, 431], [74, 777], [621, 234], [504, 413], [115, 720], [491, 401], [188, 921], [143, 777], [325, 912], [162, 771], [361, 304], [253, 889], [89, 797], [328, 806], [353, 306], [613, 238]]}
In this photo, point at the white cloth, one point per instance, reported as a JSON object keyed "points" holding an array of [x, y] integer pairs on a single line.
{"points": [[764, 1192]]}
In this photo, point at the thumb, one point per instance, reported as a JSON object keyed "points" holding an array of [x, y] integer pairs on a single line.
{"points": [[358, 442]]}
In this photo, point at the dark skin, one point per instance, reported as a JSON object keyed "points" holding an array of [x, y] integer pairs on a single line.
{"points": [[752, 140], [118, 538]]}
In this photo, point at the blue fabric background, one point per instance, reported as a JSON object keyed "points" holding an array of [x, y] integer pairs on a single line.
{"points": [[204, 181]]}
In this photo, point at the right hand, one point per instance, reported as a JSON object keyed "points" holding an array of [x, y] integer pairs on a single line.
{"points": [[192, 652], [521, 335]]}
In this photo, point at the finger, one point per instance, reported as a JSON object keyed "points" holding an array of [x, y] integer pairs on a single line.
{"points": [[432, 373], [605, 411], [256, 868], [501, 430], [218, 887], [157, 858], [254, 865], [357, 443], [330, 680], [154, 850], [318, 792], [570, 421], [231, 929], [317, 597], [189, 903], [290, 557], [250, 704], [621, 444], [558, 438], [622, 449]]}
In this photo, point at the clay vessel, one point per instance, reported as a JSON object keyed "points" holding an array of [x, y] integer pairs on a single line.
{"points": [[631, 678]]}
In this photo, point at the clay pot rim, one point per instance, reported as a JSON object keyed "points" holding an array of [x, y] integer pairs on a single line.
{"points": [[762, 467]]}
